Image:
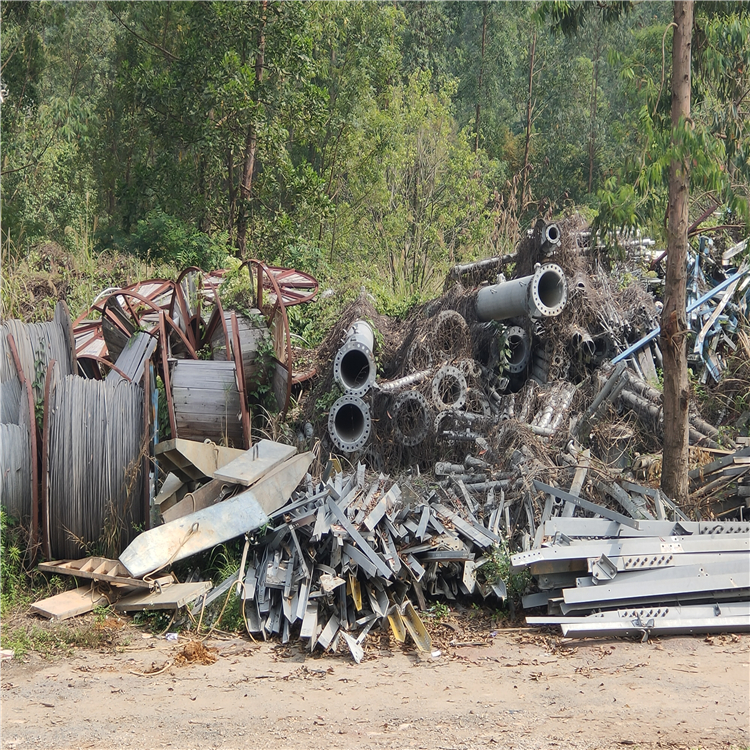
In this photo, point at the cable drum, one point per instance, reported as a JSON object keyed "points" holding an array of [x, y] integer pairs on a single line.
{"points": [[38, 344], [15, 465], [96, 435]]}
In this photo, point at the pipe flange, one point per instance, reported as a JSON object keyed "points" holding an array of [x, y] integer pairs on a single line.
{"points": [[552, 234], [449, 388], [411, 418], [349, 423], [549, 290], [518, 342], [354, 368], [419, 356], [450, 334]]}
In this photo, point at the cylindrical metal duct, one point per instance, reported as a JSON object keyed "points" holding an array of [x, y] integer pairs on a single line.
{"points": [[520, 349], [349, 423], [408, 380], [354, 367], [541, 295], [551, 236]]}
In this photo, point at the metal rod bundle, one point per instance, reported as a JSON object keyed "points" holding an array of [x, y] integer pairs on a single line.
{"points": [[95, 486], [38, 344], [15, 470]]}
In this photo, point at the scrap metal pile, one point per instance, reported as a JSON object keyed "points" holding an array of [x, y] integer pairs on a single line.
{"points": [[483, 405]]}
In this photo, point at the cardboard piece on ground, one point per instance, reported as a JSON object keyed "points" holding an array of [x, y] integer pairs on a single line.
{"points": [[255, 463], [70, 603], [189, 459], [170, 597]]}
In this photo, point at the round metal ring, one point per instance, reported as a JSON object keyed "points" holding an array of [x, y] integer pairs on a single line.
{"points": [[411, 418], [354, 368], [449, 388]]}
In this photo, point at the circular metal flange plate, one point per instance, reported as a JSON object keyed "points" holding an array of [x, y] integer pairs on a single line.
{"points": [[411, 418], [349, 423], [549, 311], [355, 346], [450, 381], [520, 337]]}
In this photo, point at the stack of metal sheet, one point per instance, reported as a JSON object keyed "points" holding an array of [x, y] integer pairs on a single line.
{"points": [[610, 576]]}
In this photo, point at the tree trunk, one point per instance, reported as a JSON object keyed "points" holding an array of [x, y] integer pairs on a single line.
{"points": [[674, 478], [251, 143], [594, 93], [529, 119], [481, 76]]}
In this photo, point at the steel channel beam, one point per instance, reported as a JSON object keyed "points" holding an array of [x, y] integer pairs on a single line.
{"points": [[600, 527], [660, 587], [633, 547]]}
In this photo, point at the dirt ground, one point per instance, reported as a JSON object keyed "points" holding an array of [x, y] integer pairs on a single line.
{"points": [[515, 689]]}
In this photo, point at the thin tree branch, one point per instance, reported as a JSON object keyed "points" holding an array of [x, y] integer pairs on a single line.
{"points": [[142, 39]]}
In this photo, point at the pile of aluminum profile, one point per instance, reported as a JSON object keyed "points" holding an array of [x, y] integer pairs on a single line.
{"points": [[352, 552], [610, 575]]}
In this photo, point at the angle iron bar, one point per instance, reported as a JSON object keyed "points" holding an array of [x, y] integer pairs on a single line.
{"points": [[586, 505]]}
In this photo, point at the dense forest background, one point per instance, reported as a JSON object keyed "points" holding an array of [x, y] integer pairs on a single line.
{"points": [[375, 143]]}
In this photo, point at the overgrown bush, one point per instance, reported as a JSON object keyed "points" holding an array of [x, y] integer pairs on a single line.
{"points": [[163, 237]]}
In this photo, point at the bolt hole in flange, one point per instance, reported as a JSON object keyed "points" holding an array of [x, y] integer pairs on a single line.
{"points": [[349, 423], [449, 388], [411, 418]]}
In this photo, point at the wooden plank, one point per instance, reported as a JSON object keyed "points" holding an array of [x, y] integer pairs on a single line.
{"points": [[255, 463], [170, 597], [70, 603]]}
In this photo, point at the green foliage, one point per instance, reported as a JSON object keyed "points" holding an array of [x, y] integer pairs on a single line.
{"points": [[497, 567], [164, 237]]}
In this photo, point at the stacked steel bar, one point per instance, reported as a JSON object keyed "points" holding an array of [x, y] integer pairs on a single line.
{"points": [[625, 575]]}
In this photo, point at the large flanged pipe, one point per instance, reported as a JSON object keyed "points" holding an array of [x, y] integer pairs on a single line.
{"points": [[354, 367], [541, 295], [551, 236], [519, 348], [349, 423]]}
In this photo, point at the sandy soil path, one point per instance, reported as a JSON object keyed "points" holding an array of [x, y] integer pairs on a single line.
{"points": [[520, 691]]}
